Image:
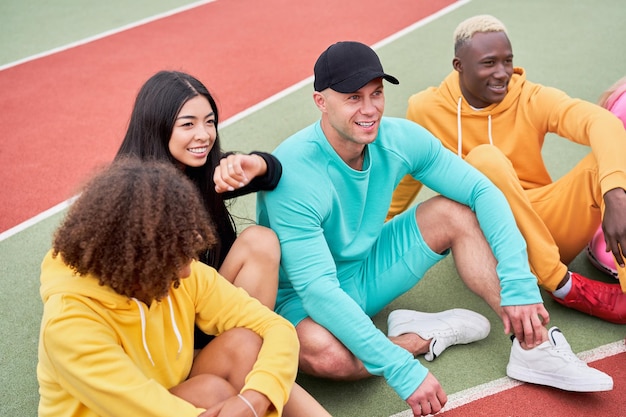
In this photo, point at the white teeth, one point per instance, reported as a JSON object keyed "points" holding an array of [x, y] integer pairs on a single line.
{"points": [[365, 124], [198, 150]]}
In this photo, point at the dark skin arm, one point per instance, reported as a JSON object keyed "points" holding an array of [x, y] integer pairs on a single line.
{"points": [[614, 223]]}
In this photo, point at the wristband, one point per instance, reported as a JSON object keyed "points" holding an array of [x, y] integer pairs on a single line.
{"points": [[245, 400]]}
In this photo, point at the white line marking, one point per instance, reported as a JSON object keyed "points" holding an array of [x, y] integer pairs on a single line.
{"points": [[454, 400], [380, 44], [107, 33], [34, 220], [421, 23], [237, 117], [499, 385]]}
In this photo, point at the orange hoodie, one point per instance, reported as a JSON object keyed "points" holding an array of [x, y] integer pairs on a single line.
{"points": [[517, 126]]}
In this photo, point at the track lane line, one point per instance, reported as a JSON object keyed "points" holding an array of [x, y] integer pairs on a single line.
{"points": [[233, 119], [497, 386], [106, 34]]}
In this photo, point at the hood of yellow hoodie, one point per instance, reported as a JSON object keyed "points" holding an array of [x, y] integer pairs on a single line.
{"points": [[451, 92], [57, 277]]}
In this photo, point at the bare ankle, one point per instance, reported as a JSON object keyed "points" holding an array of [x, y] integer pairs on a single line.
{"points": [[412, 343]]}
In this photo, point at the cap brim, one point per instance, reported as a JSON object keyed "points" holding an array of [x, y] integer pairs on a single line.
{"points": [[355, 83]]}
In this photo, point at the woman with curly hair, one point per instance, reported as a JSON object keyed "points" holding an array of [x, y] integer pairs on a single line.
{"points": [[122, 290], [175, 119]]}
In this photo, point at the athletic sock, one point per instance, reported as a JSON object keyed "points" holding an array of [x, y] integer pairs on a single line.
{"points": [[565, 289]]}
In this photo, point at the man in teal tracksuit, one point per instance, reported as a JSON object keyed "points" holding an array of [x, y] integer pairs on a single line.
{"points": [[341, 263]]}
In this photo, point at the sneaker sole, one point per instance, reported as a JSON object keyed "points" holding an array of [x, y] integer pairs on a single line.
{"points": [[401, 321], [570, 384]]}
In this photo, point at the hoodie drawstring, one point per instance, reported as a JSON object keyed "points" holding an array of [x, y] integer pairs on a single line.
{"points": [[143, 329], [460, 131], [175, 326]]}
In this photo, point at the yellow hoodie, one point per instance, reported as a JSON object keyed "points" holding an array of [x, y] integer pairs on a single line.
{"points": [[103, 354], [517, 126]]}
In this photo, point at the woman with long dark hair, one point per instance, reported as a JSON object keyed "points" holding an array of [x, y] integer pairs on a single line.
{"points": [[175, 118]]}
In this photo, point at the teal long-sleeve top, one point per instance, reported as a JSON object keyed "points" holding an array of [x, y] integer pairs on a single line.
{"points": [[328, 216]]}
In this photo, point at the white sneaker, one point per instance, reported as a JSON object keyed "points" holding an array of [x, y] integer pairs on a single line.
{"points": [[553, 363], [447, 328]]}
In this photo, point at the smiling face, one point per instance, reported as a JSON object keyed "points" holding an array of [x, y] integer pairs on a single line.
{"points": [[485, 66], [351, 121], [194, 132]]}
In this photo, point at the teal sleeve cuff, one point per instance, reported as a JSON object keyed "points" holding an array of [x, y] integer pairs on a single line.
{"points": [[520, 292]]}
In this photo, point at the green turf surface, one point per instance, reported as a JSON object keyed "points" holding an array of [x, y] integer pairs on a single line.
{"points": [[31, 27]]}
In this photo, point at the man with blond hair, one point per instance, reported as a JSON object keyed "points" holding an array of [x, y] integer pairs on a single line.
{"points": [[488, 113]]}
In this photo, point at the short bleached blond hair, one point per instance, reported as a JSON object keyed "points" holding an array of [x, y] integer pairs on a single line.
{"points": [[478, 24]]}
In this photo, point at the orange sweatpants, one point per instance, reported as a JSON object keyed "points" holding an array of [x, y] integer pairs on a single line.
{"points": [[557, 220]]}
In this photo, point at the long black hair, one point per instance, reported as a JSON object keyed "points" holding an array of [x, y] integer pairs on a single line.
{"points": [[149, 131]]}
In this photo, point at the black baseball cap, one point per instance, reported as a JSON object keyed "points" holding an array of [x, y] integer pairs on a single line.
{"points": [[347, 66]]}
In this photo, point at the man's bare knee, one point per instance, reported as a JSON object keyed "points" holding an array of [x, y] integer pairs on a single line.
{"points": [[322, 355], [438, 208], [441, 221], [333, 362]]}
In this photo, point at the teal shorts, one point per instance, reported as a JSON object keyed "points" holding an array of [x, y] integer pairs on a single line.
{"points": [[397, 261]]}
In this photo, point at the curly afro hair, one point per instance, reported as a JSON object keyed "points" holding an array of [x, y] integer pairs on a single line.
{"points": [[134, 227]]}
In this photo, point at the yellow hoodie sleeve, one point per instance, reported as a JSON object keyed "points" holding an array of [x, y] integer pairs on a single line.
{"points": [[229, 307], [84, 371], [92, 361]]}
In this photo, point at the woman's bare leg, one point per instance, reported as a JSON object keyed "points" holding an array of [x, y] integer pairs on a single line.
{"points": [[219, 370], [252, 264], [230, 356], [302, 404], [204, 391], [228, 359]]}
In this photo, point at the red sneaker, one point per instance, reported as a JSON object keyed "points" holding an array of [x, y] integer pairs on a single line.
{"points": [[596, 298]]}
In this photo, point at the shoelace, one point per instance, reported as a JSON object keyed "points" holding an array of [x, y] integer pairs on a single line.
{"points": [[567, 354], [597, 296]]}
